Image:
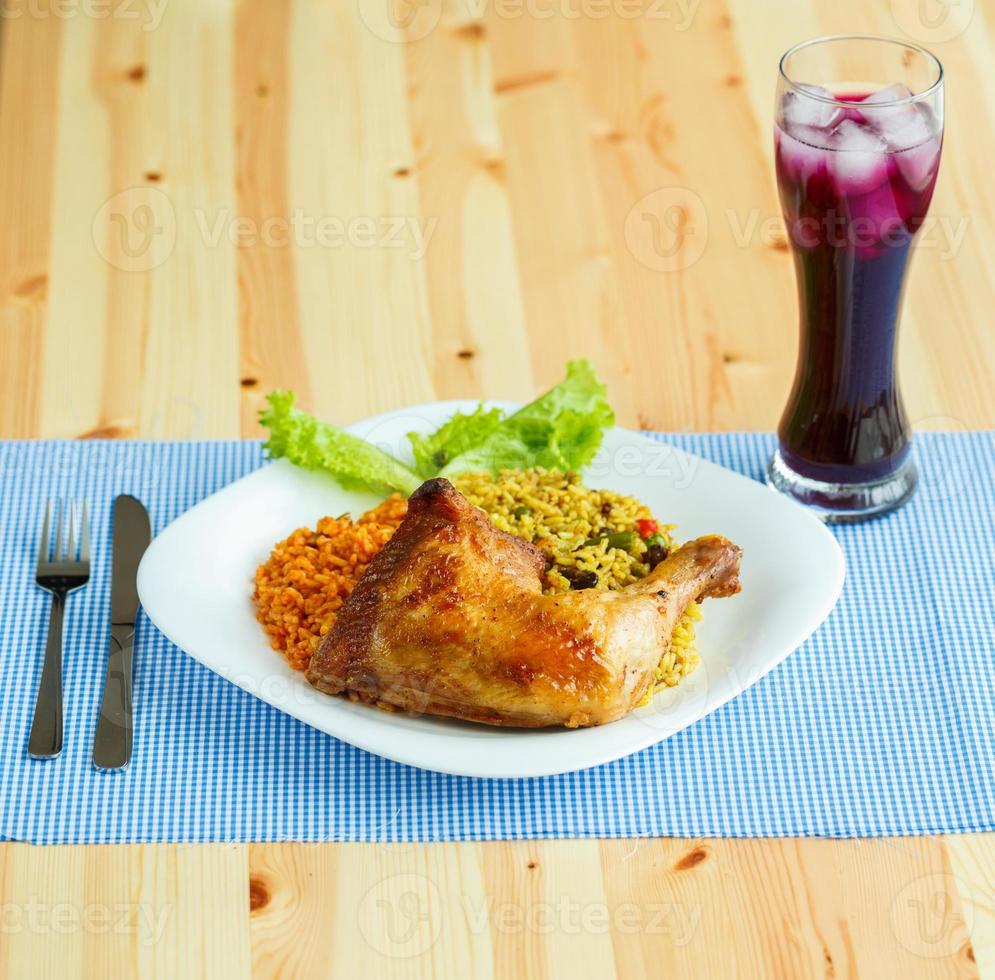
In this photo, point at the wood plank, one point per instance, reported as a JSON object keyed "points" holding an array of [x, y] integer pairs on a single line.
{"points": [[190, 345], [399, 906], [360, 282], [480, 343], [139, 910], [562, 233], [972, 871], [29, 48], [682, 229], [785, 908], [96, 328], [272, 352]]}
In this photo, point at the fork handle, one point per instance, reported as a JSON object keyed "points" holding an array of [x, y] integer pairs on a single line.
{"points": [[112, 742], [45, 740]]}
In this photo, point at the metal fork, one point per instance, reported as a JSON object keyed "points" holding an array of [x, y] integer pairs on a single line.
{"points": [[60, 572]]}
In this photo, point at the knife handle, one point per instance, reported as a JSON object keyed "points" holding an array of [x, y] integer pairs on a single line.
{"points": [[112, 743]]}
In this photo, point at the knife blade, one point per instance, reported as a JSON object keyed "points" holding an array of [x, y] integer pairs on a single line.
{"points": [[132, 534]]}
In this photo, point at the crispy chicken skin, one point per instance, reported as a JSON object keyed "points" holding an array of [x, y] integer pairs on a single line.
{"points": [[450, 619]]}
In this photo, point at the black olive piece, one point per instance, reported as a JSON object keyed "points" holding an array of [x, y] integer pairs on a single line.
{"points": [[579, 579], [655, 554], [440, 457]]}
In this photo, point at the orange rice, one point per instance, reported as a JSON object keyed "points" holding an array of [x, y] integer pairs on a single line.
{"points": [[302, 585]]}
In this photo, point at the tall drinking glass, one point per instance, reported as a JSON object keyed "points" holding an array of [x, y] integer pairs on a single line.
{"points": [[858, 131]]}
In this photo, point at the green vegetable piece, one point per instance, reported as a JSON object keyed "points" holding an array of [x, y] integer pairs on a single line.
{"points": [[623, 540], [317, 445], [561, 429], [460, 433]]}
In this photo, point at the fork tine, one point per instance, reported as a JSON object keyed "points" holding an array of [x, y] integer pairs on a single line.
{"points": [[43, 546], [84, 537], [72, 542], [57, 554]]}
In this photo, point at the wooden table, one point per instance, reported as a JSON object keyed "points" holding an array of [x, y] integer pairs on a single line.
{"points": [[206, 199]]}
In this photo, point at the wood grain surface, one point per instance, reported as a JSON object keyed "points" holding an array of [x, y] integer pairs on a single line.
{"points": [[381, 202]]}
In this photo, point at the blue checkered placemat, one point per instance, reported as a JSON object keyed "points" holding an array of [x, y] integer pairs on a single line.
{"points": [[882, 723]]}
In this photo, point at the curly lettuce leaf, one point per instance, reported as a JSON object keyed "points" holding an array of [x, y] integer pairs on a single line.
{"points": [[562, 428], [316, 445], [458, 435]]}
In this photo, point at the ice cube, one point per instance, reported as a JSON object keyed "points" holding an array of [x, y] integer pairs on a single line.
{"points": [[918, 164], [891, 93], [906, 127], [800, 151], [902, 126], [858, 158], [800, 110]]}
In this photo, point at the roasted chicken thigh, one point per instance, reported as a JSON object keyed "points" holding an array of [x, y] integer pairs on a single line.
{"points": [[450, 619]]}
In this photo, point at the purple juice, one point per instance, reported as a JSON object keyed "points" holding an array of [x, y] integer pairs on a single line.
{"points": [[855, 184]]}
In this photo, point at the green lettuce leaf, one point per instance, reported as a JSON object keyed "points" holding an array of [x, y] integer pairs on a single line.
{"points": [[316, 445], [459, 435], [562, 428]]}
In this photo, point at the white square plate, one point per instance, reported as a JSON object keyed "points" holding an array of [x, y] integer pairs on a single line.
{"points": [[196, 581]]}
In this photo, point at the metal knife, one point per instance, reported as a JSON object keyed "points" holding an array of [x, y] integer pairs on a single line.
{"points": [[132, 533]]}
